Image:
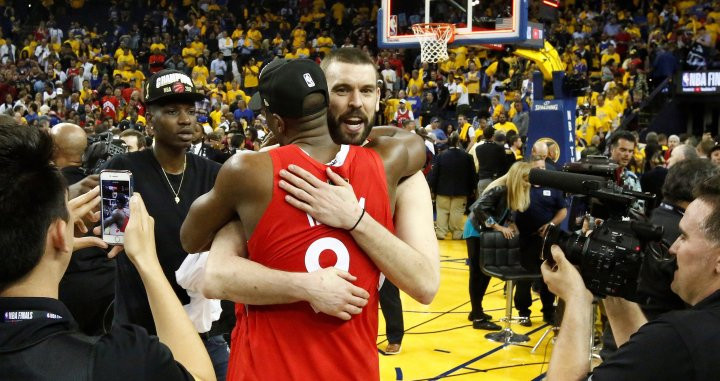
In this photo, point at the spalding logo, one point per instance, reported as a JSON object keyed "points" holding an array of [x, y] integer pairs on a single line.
{"points": [[309, 80]]}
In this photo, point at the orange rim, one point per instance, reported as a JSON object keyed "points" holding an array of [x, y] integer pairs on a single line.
{"points": [[435, 28]]}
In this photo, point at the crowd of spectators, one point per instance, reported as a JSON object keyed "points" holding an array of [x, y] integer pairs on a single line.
{"points": [[56, 66], [63, 68]]}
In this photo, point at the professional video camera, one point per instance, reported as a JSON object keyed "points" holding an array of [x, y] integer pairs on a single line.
{"points": [[611, 255], [101, 148]]}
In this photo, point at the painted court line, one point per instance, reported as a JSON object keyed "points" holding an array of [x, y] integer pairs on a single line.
{"points": [[488, 353], [431, 319]]}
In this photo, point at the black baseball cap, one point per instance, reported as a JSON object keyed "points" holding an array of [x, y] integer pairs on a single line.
{"points": [[284, 84], [169, 85]]}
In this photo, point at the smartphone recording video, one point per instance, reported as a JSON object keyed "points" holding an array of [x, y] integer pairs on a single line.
{"points": [[115, 191]]}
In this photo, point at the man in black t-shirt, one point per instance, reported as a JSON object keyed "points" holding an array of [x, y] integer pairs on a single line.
{"points": [[492, 161], [170, 179], [443, 97], [36, 241]]}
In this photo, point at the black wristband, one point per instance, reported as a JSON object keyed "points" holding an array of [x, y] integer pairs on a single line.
{"points": [[358, 221]]}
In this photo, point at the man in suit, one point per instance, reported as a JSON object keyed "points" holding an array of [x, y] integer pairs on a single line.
{"points": [[452, 179]]}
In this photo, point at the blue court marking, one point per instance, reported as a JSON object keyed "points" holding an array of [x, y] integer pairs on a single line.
{"points": [[427, 321], [453, 312], [539, 378], [439, 314], [398, 374], [488, 353]]}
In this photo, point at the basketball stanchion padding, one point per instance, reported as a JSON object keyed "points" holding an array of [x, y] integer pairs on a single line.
{"points": [[434, 38]]}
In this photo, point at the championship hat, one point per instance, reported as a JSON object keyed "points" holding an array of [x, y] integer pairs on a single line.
{"points": [[167, 85], [284, 84]]}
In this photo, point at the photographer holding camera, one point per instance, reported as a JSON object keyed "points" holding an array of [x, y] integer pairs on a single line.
{"points": [[680, 345]]}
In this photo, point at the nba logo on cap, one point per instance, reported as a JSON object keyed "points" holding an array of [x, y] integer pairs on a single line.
{"points": [[309, 80], [178, 87]]}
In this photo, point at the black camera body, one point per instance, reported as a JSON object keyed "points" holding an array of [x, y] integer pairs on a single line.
{"points": [[609, 257], [101, 148]]}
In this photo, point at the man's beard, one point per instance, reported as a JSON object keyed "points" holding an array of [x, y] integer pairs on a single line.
{"points": [[342, 137]]}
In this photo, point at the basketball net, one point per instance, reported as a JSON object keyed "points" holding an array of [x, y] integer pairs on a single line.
{"points": [[433, 38]]}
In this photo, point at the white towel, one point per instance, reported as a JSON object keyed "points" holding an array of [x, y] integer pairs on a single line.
{"points": [[201, 310]]}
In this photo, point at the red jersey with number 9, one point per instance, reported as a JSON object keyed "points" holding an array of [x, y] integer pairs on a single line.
{"points": [[292, 341]]}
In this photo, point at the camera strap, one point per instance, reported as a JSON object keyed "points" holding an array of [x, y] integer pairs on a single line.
{"points": [[672, 208]]}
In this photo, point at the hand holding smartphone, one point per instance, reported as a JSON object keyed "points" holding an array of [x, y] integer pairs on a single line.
{"points": [[116, 188], [140, 237]]}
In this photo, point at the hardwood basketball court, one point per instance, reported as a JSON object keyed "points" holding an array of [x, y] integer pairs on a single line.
{"points": [[440, 342]]}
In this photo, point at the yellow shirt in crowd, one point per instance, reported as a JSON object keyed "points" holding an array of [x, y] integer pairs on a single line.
{"points": [[126, 60], [473, 87], [299, 36], [325, 44], [505, 127], [338, 12], [202, 73], [250, 73], [303, 52], [417, 83], [188, 55], [391, 106], [157, 46], [587, 127]]}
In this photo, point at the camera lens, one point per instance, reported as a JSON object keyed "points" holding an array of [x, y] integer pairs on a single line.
{"points": [[550, 238], [572, 244]]}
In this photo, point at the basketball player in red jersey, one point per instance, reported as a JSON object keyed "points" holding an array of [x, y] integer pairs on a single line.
{"points": [[354, 96], [351, 76], [291, 340]]}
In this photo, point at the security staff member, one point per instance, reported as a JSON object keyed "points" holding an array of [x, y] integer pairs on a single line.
{"points": [[547, 208]]}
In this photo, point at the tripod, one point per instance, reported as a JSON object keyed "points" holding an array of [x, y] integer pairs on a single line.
{"points": [[554, 327]]}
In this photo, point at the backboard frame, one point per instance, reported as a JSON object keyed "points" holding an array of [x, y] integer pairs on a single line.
{"points": [[463, 36]]}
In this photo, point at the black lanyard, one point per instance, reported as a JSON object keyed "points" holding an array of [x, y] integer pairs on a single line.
{"points": [[25, 315]]}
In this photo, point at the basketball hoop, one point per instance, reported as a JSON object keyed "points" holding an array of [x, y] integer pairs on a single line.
{"points": [[433, 38]]}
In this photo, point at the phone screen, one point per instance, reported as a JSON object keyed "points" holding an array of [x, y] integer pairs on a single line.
{"points": [[115, 208]]}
